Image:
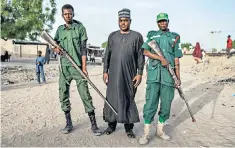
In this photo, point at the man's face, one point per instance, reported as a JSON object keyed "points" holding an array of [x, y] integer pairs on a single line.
{"points": [[124, 24], [68, 15], [163, 25]]}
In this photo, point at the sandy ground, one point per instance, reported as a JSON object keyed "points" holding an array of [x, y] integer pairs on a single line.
{"points": [[31, 114]]}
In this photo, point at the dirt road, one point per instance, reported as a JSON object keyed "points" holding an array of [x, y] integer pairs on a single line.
{"points": [[31, 114]]}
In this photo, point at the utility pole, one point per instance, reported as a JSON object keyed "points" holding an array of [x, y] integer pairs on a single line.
{"points": [[215, 32]]}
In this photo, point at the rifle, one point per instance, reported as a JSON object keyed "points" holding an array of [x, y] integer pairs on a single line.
{"points": [[49, 39], [157, 49]]}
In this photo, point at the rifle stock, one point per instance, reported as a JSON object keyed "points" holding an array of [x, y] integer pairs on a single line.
{"points": [[49, 39], [156, 49]]}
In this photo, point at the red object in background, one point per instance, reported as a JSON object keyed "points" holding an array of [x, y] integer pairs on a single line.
{"points": [[197, 51], [229, 43]]}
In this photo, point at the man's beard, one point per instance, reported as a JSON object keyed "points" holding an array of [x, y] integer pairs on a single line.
{"points": [[125, 30]]}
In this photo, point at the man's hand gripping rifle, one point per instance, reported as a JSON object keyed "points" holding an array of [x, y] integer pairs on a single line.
{"points": [[156, 48], [49, 39]]}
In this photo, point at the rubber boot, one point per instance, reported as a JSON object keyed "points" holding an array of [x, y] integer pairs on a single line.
{"points": [[69, 126], [94, 126], [145, 138], [160, 133]]}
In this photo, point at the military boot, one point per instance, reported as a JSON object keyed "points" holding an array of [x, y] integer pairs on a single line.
{"points": [[94, 126], [69, 126], [145, 138], [160, 133]]}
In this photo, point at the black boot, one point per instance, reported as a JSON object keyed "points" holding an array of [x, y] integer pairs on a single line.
{"points": [[69, 126], [94, 126]]}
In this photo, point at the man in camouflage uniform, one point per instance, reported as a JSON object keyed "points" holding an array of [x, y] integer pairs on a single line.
{"points": [[72, 37], [160, 85]]}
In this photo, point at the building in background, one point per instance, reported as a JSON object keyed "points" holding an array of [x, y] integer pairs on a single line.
{"points": [[29, 49], [24, 49]]}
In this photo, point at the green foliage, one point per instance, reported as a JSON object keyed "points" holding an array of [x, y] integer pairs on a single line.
{"points": [[22, 19], [214, 50], [186, 45], [104, 45], [233, 44], [223, 50]]}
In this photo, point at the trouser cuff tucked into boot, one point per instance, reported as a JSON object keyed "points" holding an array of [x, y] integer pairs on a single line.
{"points": [[160, 133], [94, 126], [69, 126], [145, 138]]}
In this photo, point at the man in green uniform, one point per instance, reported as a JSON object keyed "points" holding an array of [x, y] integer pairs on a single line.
{"points": [[159, 81], [72, 37]]}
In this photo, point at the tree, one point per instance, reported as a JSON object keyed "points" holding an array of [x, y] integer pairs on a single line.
{"points": [[186, 45], [234, 44], [214, 50], [104, 45], [21, 19], [223, 50]]}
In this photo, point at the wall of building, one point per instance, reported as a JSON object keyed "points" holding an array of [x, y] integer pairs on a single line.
{"points": [[6, 46], [18, 50]]}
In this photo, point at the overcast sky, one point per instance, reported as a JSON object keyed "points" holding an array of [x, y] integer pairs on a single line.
{"points": [[192, 19]]}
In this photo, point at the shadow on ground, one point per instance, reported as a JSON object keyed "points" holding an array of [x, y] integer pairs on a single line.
{"points": [[82, 135]]}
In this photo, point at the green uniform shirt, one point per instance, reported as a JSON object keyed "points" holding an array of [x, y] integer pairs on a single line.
{"points": [[157, 73], [70, 39]]}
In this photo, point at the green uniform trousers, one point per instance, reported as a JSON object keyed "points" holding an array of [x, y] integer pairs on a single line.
{"points": [[154, 91], [68, 74]]}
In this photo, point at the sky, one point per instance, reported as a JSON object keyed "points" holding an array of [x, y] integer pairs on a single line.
{"points": [[192, 19]]}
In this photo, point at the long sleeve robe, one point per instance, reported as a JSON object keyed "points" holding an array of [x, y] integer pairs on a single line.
{"points": [[123, 60]]}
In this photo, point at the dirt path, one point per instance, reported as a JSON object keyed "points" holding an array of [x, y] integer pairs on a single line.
{"points": [[31, 116]]}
